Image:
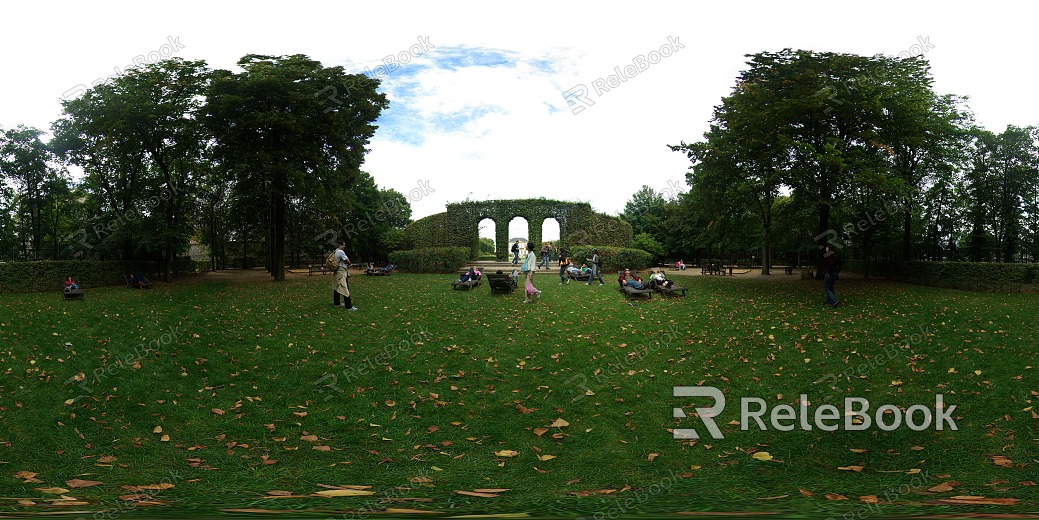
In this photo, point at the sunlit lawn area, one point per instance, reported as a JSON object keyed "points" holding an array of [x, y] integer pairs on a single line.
{"points": [[233, 390]]}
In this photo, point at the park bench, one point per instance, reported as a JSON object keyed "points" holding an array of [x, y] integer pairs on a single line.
{"points": [[632, 293], [502, 283], [317, 269], [670, 291], [74, 294]]}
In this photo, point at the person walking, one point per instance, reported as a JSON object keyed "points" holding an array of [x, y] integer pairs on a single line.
{"points": [[833, 269], [341, 285], [515, 253], [546, 251], [596, 267], [529, 266], [564, 264]]}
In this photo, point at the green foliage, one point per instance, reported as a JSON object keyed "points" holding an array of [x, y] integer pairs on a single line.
{"points": [[969, 276], [613, 258], [430, 259], [49, 275], [647, 243]]}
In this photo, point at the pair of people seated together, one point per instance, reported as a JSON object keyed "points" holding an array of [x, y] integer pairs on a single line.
{"points": [[70, 284], [473, 274], [629, 279], [370, 269]]}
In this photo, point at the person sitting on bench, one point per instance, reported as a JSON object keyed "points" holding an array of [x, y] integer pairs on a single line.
{"points": [[634, 282], [656, 280], [470, 275], [70, 284]]}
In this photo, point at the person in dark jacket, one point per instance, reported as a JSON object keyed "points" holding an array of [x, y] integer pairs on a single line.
{"points": [[833, 268]]}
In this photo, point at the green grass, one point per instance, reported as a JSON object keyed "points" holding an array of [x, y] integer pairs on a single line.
{"points": [[469, 374]]}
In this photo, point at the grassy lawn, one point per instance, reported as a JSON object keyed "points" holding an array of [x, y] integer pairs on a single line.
{"points": [[229, 390]]}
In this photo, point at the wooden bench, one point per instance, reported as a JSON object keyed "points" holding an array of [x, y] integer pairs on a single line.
{"points": [[501, 283], [632, 293], [581, 276], [74, 294], [317, 269], [670, 291], [466, 285]]}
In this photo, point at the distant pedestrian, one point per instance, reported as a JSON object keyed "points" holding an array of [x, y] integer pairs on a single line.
{"points": [[515, 253], [341, 279], [546, 253], [596, 266], [833, 269]]}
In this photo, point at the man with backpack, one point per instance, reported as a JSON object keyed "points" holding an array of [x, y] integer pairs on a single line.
{"points": [[340, 264], [515, 253]]}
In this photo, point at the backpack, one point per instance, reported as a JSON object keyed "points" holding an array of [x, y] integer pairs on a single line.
{"points": [[330, 261]]}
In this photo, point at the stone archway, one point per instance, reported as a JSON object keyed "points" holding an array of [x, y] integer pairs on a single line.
{"points": [[459, 225]]}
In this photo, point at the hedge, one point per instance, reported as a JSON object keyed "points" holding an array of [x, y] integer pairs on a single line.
{"points": [[969, 276], [49, 275], [613, 258], [430, 259]]}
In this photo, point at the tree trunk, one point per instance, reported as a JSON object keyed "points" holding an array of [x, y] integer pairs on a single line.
{"points": [[824, 226], [277, 249]]}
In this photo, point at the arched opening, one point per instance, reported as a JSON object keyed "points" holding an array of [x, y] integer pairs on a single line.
{"points": [[486, 239], [550, 234], [518, 232]]}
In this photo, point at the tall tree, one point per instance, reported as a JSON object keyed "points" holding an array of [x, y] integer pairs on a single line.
{"points": [[285, 129], [29, 165]]}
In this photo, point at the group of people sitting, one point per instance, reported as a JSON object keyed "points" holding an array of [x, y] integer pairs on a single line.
{"points": [[382, 270], [657, 279], [574, 270], [136, 280], [70, 284]]}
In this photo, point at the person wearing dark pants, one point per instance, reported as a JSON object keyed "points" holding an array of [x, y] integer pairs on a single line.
{"points": [[341, 279], [833, 269], [564, 263], [596, 267]]}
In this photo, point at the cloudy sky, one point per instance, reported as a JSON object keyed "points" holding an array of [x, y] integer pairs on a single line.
{"points": [[484, 94]]}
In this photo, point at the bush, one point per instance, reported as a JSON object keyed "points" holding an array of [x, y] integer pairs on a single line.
{"points": [[431, 259], [647, 243], [970, 276], [613, 258]]}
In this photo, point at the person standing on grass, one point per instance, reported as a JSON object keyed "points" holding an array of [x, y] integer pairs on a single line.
{"points": [[515, 253], [340, 279], [530, 264], [833, 269], [564, 264], [546, 251], [596, 267]]}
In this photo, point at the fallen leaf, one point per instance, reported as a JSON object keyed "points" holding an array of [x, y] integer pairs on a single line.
{"points": [[805, 492], [77, 483], [856, 469], [492, 490], [559, 423], [540, 431], [106, 459], [944, 487], [652, 456], [834, 496], [321, 448], [218, 411], [165, 438], [309, 438], [976, 500], [149, 487], [53, 490], [546, 457], [279, 493], [506, 453], [761, 455], [343, 493], [869, 499], [476, 494]]}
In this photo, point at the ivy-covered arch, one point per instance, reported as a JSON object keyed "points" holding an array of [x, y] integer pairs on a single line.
{"points": [[578, 225]]}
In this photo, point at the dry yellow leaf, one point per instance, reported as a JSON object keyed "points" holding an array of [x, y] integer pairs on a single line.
{"points": [[540, 431], [856, 469], [157, 429], [869, 499], [761, 455], [559, 423], [165, 438], [506, 453], [546, 457]]}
